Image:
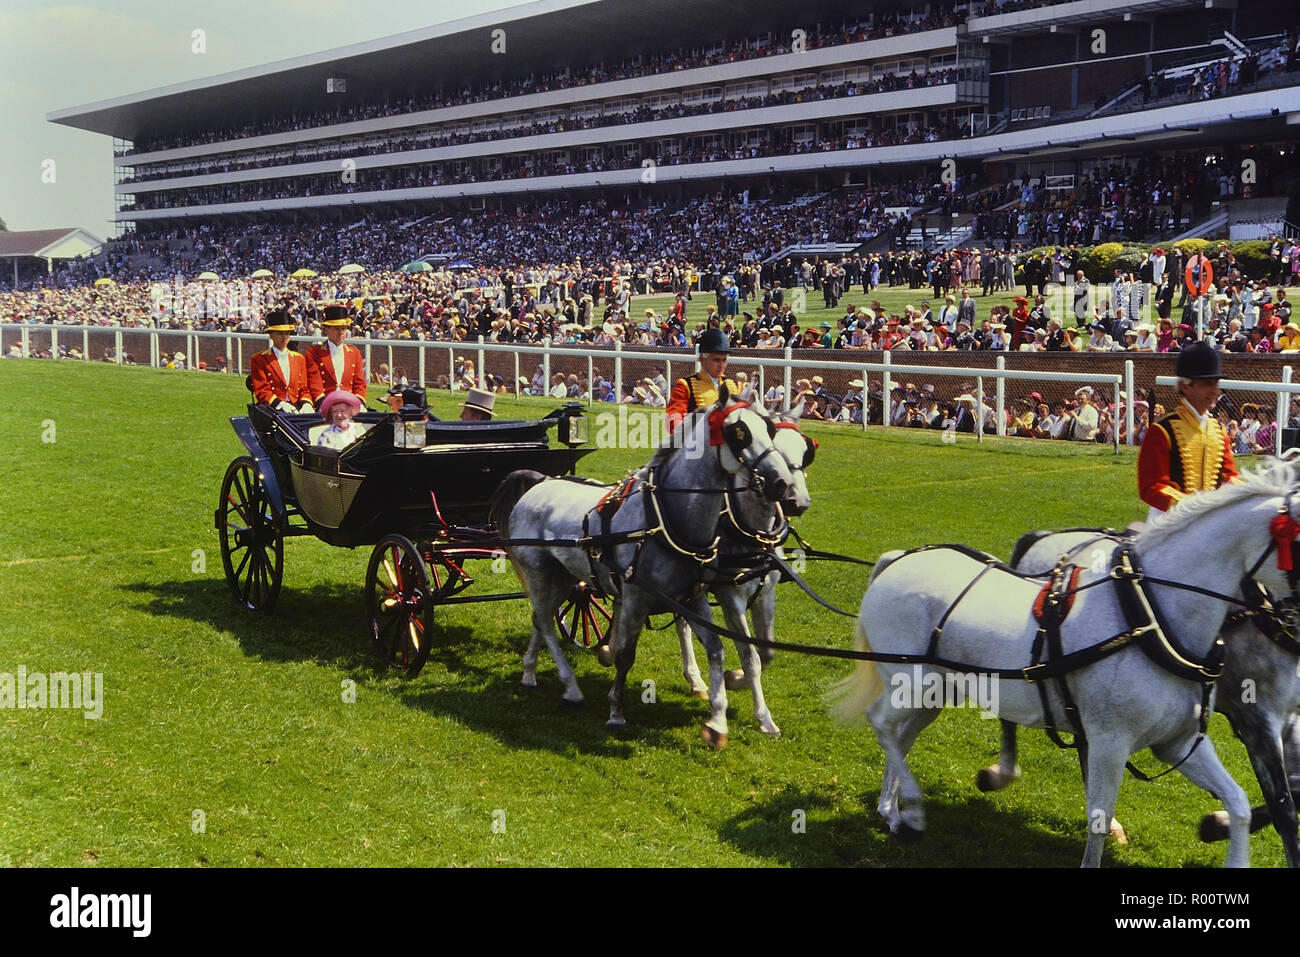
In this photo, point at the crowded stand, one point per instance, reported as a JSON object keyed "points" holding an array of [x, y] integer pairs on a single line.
{"points": [[441, 137], [889, 24]]}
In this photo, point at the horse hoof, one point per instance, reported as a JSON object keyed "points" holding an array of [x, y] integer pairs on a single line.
{"points": [[701, 693], [605, 656], [717, 740], [522, 688], [988, 780], [735, 680], [1214, 827], [906, 834], [570, 704], [1117, 832], [614, 724]]}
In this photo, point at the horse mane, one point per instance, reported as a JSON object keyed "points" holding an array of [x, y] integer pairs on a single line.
{"points": [[1272, 477]]}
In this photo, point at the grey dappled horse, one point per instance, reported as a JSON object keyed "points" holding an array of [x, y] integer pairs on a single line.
{"points": [[1126, 701], [660, 539], [1259, 693]]}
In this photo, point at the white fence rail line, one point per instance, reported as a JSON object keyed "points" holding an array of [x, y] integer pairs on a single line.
{"points": [[187, 343]]}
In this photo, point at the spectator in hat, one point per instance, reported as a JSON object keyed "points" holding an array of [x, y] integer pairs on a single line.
{"points": [[478, 406], [337, 409], [278, 376], [701, 390], [1187, 451], [1099, 341], [335, 364]]}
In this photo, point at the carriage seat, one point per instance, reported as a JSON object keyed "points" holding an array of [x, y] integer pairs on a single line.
{"points": [[314, 432]]}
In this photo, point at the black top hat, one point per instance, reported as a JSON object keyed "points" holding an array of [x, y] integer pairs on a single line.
{"points": [[277, 320], [714, 340], [337, 316], [1198, 361]]}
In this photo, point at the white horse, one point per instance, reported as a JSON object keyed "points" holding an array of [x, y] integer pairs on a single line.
{"points": [[753, 524], [944, 603], [1259, 695], [660, 539]]}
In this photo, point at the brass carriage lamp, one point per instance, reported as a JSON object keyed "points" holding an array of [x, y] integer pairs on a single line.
{"points": [[573, 429], [408, 429]]}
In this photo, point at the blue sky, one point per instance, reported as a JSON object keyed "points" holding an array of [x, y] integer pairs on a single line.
{"points": [[59, 55]]}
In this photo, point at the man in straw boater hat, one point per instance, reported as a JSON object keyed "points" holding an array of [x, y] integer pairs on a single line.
{"points": [[699, 391], [334, 364], [1187, 451], [278, 376], [478, 406]]}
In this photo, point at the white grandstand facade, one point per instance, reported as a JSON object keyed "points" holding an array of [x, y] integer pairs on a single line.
{"points": [[656, 101]]}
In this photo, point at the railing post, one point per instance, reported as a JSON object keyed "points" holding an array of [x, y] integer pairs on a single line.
{"points": [[516, 382], [591, 377], [54, 342], [1114, 421], [117, 345], [1283, 405], [239, 349], [482, 370], [1132, 398], [423, 350], [85, 344], [886, 387], [979, 408], [368, 354], [1001, 398], [618, 372], [789, 358], [451, 368]]}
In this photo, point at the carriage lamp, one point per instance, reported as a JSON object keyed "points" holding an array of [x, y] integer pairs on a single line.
{"points": [[408, 430], [573, 426]]}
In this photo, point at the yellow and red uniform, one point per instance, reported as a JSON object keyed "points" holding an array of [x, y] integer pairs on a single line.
{"points": [[267, 379], [321, 378], [1180, 457], [694, 392]]}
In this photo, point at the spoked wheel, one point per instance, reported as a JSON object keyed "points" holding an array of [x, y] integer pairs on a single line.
{"points": [[252, 548], [400, 604], [583, 619]]}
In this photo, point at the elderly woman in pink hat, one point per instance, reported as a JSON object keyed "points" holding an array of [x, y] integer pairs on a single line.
{"points": [[338, 408]]}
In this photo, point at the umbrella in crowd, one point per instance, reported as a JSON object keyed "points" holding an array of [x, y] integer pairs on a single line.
{"points": [[418, 266], [208, 275], [351, 268], [303, 273], [104, 281], [261, 274]]}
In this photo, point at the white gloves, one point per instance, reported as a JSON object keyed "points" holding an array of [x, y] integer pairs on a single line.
{"points": [[306, 407], [283, 406]]}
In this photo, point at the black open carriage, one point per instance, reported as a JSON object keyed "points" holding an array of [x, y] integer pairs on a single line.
{"points": [[424, 509]]}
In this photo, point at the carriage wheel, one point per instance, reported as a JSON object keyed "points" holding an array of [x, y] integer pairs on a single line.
{"points": [[583, 619], [400, 604], [252, 548]]}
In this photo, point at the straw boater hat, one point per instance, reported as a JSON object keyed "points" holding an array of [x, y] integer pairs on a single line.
{"points": [[336, 316], [480, 401]]}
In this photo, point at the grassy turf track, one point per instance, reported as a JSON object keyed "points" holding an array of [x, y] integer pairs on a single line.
{"points": [[214, 709]]}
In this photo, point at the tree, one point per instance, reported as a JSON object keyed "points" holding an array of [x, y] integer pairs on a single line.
{"points": [[3, 227]]}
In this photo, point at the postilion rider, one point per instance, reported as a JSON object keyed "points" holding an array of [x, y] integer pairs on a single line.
{"points": [[278, 376], [1187, 451], [699, 391], [334, 364]]}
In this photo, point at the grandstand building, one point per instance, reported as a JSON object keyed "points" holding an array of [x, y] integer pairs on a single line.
{"points": [[655, 102]]}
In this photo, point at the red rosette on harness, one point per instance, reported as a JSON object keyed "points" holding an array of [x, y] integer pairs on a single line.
{"points": [[1284, 530]]}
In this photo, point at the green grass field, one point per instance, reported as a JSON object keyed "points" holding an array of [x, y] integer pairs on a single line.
{"points": [[109, 563]]}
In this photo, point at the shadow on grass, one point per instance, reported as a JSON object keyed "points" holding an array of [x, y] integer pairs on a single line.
{"points": [[327, 625], [967, 833], [324, 624]]}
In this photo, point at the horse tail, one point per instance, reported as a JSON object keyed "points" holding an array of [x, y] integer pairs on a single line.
{"points": [[850, 697], [512, 488], [1024, 543]]}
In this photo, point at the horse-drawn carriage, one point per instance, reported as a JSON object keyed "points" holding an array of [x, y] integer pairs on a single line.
{"points": [[418, 491]]}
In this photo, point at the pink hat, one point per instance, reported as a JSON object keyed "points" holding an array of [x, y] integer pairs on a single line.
{"points": [[340, 396]]}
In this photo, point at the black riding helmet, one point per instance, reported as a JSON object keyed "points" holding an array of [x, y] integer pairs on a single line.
{"points": [[714, 340]]}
